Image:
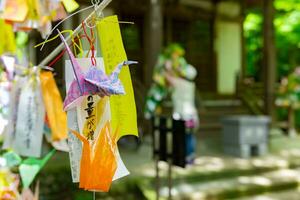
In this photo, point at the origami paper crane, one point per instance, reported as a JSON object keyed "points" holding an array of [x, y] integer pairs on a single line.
{"points": [[98, 163], [94, 82], [30, 167], [12, 159], [108, 85]]}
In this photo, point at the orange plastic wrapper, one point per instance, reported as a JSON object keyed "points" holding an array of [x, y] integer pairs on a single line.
{"points": [[54, 107], [98, 165]]}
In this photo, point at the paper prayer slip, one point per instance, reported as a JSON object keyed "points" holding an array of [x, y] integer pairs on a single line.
{"points": [[123, 110], [10, 131], [30, 119], [54, 107]]}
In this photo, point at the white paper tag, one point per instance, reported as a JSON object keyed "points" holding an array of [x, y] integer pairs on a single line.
{"points": [[75, 146], [121, 168], [9, 133], [30, 121], [4, 105]]}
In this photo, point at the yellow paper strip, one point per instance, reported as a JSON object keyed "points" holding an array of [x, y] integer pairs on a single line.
{"points": [[123, 110], [70, 5], [7, 38], [34, 11], [54, 107]]}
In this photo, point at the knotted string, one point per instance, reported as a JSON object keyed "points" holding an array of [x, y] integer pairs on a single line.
{"points": [[91, 40]]}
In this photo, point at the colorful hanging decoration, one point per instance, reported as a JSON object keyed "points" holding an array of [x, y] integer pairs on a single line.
{"points": [[30, 103], [26, 15], [94, 82], [28, 169], [100, 108], [34, 97], [99, 103], [88, 118]]}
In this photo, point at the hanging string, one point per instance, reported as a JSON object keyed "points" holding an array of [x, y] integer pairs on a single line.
{"points": [[57, 58], [91, 40], [54, 28], [63, 51], [94, 61], [98, 16], [75, 45]]}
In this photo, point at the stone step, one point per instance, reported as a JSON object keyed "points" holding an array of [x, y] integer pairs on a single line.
{"points": [[215, 110], [224, 110], [288, 194], [209, 116], [218, 177], [216, 113], [236, 187], [210, 126], [212, 168], [222, 103]]}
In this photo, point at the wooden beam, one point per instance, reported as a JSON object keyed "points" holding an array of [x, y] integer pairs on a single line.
{"points": [[269, 57]]}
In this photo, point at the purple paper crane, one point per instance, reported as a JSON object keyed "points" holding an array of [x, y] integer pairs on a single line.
{"points": [[94, 82], [107, 85]]}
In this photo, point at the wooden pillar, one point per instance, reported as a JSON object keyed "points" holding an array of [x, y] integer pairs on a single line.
{"points": [[269, 57], [169, 29], [153, 37], [243, 41]]}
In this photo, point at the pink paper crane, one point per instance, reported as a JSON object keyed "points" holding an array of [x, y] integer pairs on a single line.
{"points": [[94, 82]]}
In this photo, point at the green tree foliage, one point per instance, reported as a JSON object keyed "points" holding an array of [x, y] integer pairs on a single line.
{"points": [[287, 27], [254, 42]]}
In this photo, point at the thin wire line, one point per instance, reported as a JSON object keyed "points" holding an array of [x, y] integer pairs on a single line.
{"points": [[60, 47], [89, 7]]}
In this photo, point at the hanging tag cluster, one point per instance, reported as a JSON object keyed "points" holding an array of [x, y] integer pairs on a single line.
{"points": [[35, 14], [101, 109], [32, 98]]}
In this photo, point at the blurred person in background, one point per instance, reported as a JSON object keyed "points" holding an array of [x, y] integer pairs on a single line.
{"points": [[174, 78]]}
